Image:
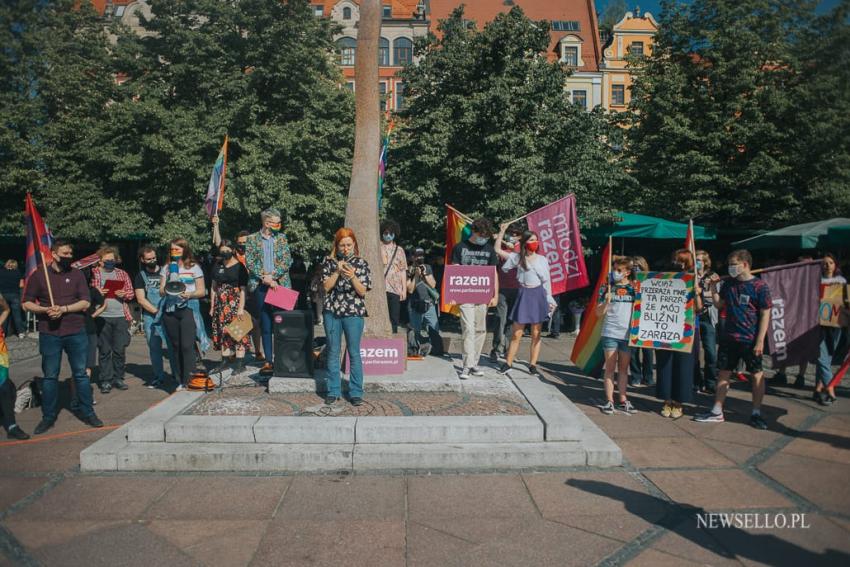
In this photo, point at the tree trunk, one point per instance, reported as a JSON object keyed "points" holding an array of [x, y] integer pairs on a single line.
{"points": [[361, 213]]}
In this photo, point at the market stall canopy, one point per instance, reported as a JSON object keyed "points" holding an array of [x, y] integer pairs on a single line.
{"points": [[630, 225], [838, 236], [795, 237]]}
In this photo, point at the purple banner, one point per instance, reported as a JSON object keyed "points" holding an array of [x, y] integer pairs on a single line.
{"points": [[793, 333], [382, 357], [469, 284]]}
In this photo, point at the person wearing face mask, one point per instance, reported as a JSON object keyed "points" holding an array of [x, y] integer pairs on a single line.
{"points": [[706, 379], [642, 360], [267, 258], [230, 279], [61, 327], [829, 338], [534, 302], [395, 270], [146, 285], [346, 278], [508, 286], [113, 323], [615, 304], [250, 305], [675, 369], [476, 251], [747, 302]]}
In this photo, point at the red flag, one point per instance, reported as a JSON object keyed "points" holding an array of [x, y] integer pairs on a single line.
{"points": [[556, 225], [39, 239], [836, 379], [690, 243]]}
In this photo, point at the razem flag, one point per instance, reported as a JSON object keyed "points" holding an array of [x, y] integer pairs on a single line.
{"points": [[39, 239], [556, 225], [793, 332], [215, 189]]}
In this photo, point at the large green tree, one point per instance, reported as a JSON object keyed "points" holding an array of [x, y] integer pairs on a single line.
{"points": [[488, 128], [727, 127]]}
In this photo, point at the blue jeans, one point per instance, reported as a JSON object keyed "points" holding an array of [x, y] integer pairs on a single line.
{"points": [[708, 337], [157, 344], [76, 347], [641, 366], [432, 327], [826, 350], [266, 316], [352, 328]]}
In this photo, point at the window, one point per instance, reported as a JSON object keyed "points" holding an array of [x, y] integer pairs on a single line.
{"points": [[350, 85], [618, 95], [636, 48], [388, 12], [399, 96], [560, 25], [383, 52], [580, 98], [382, 89], [119, 11], [347, 50], [571, 55], [318, 10], [402, 51], [346, 13]]}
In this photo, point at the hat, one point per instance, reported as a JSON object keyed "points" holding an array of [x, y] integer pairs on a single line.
{"points": [[419, 252]]}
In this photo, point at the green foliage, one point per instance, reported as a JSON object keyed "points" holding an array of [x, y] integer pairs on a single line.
{"points": [[136, 158], [488, 129], [613, 13], [729, 123]]}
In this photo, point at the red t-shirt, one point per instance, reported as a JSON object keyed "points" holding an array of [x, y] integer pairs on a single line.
{"points": [[68, 287]]}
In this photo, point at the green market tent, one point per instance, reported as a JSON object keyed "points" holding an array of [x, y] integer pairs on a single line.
{"points": [[795, 237], [838, 236], [631, 225]]}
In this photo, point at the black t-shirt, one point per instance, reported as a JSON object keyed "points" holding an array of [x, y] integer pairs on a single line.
{"points": [[235, 275], [139, 281], [10, 281], [96, 301], [420, 291], [468, 254]]}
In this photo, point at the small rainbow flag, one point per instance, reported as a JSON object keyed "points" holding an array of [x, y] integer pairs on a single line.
{"points": [[457, 230], [215, 190], [382, 164], [587, 352], [4, 359]]}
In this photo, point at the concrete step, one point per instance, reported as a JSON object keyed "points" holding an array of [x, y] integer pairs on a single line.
{"points": [[449, 429]]}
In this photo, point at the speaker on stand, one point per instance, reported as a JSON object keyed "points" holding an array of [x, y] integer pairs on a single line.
{"points": [[293, 343]]}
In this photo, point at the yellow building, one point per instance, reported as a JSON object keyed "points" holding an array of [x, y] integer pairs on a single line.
{"points": [[633, 35]]}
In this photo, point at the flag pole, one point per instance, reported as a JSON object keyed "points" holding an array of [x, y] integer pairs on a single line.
{"points": [[465, 217], [610, 265], [47, 279]]}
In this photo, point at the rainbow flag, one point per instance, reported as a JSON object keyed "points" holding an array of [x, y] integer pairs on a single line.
{"points": [[4, 359], [457, 230], [39, 239], [587, 352], [382, 164], [215, 190]]}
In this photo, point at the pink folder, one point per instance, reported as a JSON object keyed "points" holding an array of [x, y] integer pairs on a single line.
{"points": [[282, 297]]}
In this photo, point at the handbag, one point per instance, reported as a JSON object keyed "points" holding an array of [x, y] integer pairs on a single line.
{"points": [[240, 326]]}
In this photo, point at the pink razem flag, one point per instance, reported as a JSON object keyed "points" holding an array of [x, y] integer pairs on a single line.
{"points": [[560, 241], [215, 189]]}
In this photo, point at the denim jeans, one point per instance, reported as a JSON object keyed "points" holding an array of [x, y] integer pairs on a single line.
{"points": [[15, 314], [76, 347], [708, 338], [507, 297], [641, 366], [157, 345], [352, 328], [826, 350], [432, 327], [266, 316]]}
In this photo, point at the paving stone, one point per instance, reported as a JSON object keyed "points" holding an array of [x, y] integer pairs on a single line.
{"points": [[222, 498], [716, 489], [686, 541], [367, 543], [35, 534], [473, 496], [427, 546], [653, 558], [45, 456], [344, 498], [735, 452], [822, 482], [653, 452], [641, 424], [213, 542], [96, 498], [824, 444], [14, 489]]}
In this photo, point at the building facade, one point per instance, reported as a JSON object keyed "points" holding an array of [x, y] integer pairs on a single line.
{"points": [[633, 36]]}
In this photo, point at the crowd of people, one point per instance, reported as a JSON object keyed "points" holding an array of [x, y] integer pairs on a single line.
{"points": [[84, 310]]}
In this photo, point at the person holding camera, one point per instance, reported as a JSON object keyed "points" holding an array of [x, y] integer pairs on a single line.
{"points": [[422, 306], [346, 278]]}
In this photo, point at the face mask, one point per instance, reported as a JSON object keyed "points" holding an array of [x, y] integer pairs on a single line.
{"points": [[735, 270], [226, 255], [699, 265], [176, 257], [65, 264], [275, 228], [240, 248], [479, 240], [532, 246], [109, 265], [342, 256], [617, 276], [150, 265], [512, 239], [389, 237]]}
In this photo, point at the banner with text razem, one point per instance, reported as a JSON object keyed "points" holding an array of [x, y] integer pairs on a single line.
{"points": [[793, 333], [556, 225]]}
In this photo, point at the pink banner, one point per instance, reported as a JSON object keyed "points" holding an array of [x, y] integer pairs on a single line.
{"points": [[469, 284], [382, 357], [560, 241], [282, 297]]}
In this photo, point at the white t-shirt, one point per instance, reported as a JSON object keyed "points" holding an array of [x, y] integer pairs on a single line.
{"points": [[619, 314], [833, 280], [186, 275], [536, 275]]}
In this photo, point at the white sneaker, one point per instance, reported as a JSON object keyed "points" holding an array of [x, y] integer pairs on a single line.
{"points": [[475, 371], [464, 374], [179, 388]]}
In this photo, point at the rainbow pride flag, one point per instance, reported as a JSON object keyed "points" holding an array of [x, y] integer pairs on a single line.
{"points": [[457, 230], [215, 190], [382, 164], [4, 359], [587, 352]]}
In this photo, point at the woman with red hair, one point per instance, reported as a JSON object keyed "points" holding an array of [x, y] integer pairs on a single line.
{"points": [[346, 278]]}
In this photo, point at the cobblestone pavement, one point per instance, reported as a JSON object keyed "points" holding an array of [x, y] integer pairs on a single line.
{"points": [[644, 513], [248, 402]]}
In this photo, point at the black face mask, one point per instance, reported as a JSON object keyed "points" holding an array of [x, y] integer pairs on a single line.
{"points": [[240, 248], [341, 256], [65, 264], [226, 256], [150, 265]]}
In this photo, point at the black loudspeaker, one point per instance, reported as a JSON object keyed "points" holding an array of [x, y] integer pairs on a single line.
{"points": [[293, 343]]}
